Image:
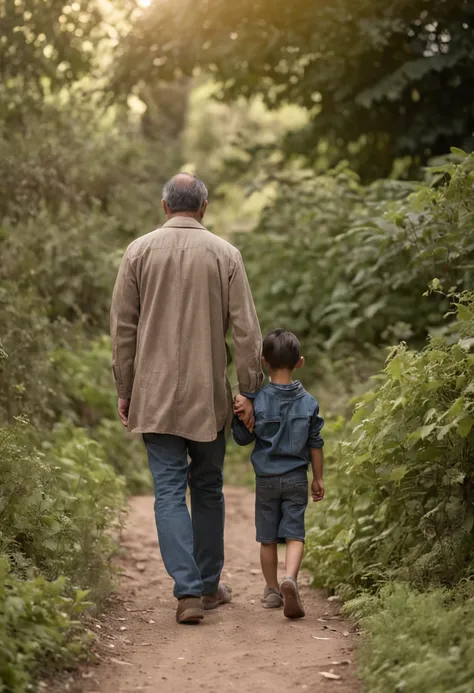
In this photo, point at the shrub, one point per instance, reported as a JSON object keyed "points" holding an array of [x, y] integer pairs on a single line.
{"points": [[88, 385], [126, 454], [59, 507], [344, 265], [403, 502], [416, 642], [38, 628]]}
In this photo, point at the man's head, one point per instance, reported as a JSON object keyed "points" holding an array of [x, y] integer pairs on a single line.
{"points": [[184, 195], [282, 351]]}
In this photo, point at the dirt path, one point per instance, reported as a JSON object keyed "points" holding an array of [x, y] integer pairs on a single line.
{"points": [[239, 647]]}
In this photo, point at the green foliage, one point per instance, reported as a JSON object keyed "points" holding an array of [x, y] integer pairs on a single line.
{"points": [[126, 454], [238, 470], [45, 45], [87, 385], [371, 75], [59, 506], [232, 146], [405, 498], [39, 629], [416, 642], [344, 265], [78, 183], [60, 511], [85, 372]]}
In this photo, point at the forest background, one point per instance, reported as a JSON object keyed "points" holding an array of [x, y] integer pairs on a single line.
{"points": [[335, 138]]}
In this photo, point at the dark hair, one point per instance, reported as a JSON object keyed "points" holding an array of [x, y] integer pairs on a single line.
{"points": [[281, 349], [184, 193]]}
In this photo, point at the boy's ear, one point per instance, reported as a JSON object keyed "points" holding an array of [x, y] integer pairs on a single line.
{"points": [[300, 363], [265, 362]]}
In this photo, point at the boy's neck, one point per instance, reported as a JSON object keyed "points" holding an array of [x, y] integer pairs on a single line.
{"points": [[282, 376]]}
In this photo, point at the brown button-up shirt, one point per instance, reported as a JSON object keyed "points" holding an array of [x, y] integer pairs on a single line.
{"points": [[177, 291]]}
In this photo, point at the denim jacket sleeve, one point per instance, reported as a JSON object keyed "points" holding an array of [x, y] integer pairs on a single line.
{"points": [[241, 434], [317, 422]]}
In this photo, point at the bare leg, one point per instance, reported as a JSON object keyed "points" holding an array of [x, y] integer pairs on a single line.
{"points": [[269, 562], [294, 556]]}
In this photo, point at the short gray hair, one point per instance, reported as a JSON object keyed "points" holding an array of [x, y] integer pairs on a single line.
{"points": [[184, 193]]}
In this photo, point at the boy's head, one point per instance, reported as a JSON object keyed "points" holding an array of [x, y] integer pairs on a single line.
{"points": [[282, 351]]}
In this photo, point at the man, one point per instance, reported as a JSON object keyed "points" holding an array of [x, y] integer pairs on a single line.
{"points": [[177, 291]]}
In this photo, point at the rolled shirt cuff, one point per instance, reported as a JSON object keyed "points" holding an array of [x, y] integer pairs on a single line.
{"points": [[250, 395]]}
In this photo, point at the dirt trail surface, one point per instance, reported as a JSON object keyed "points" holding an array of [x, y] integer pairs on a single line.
{"points": [[238, 647]]}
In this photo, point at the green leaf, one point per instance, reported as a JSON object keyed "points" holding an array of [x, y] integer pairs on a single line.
{"points": [[425, 431], [429, 414], [422, 432], [398, 473], [459, 152], [456, 408], [395, 368], [464, 313], [468, 521], [465, 426]]}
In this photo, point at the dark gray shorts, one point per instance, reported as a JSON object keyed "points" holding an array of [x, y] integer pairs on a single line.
{"points": [[280, 505]]}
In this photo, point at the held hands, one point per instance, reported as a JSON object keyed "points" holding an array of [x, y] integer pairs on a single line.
{"points": [[317, 490], [243, 408]]}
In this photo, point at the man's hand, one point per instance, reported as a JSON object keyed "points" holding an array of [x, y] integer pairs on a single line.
{"points": [[317, 490], [243, 408], [123, 407]]}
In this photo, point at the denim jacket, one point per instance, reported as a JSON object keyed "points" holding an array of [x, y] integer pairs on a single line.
{"points": [[287, 426]]}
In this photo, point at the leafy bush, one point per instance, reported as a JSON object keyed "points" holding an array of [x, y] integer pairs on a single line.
{"points": [[403, 502], [90, 391], [126, 454], [59, 507], [416, 642], [38, 628], [344, 265], [79, 181]]}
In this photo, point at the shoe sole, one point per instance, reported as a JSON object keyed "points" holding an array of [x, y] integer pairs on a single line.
{"points": [[292, 606], [190, 616]]}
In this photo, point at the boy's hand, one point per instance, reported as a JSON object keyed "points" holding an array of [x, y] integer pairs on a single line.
{"points": [[317, 490], [243, 408]]}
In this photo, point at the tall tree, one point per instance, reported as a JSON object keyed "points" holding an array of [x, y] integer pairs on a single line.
{"points": [[382, 79], [44, 44]]}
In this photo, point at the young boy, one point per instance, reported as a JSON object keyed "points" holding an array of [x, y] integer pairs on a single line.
{"points": [[287, 438]]}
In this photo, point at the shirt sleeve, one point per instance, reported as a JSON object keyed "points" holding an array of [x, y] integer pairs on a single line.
{"points": [[250, 395], [124, 317], [245, 330], [316, 425], [241, 434]]}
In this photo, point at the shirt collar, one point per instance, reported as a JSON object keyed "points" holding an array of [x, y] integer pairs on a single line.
{"points": [[291, 391], [183, 222]]}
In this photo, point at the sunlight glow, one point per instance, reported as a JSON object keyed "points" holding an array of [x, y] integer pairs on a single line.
{"points": [[144, 3]]}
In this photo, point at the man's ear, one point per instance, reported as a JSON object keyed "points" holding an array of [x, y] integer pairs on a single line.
{"points": [[165, 207], [203, 208], [300, 363]]}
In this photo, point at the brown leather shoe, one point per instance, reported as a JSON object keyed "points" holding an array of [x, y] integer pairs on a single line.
{"points": [[190, 610], [223, 595]]}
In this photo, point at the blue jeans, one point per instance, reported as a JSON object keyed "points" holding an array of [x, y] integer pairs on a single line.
{"points": [[192, 549]]}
